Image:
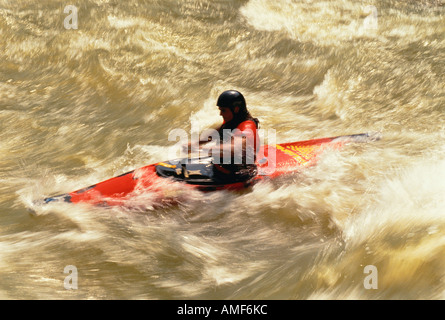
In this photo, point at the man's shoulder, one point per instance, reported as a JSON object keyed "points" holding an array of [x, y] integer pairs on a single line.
{"points": [[247, 125]]}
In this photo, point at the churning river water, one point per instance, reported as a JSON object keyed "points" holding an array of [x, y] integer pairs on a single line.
{"points": [[90, 89]]}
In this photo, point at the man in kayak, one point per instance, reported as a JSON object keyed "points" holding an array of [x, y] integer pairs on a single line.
{"points": [[235, 154]]}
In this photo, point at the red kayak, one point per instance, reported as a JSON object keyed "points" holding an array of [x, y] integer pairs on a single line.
{"points": [[197, 173]]}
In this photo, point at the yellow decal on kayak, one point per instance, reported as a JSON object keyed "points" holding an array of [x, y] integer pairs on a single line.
{"points": [[306, 152], [301, 154], [167, 165], [286, 151]]}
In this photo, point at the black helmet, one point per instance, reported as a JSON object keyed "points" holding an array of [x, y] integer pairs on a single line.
{"points": [[231, 99]]}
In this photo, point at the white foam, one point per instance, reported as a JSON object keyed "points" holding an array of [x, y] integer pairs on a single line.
{"points": [[322, 21], [413, 198]]}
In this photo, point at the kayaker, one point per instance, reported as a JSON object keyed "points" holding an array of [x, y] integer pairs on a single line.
{"points": [[238, 128]]}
